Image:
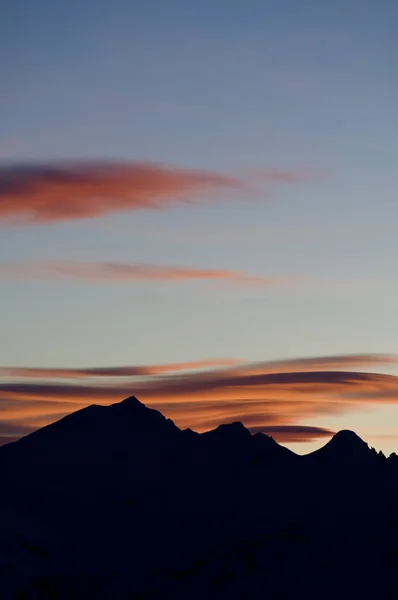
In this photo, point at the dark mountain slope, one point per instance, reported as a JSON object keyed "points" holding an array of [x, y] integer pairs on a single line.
{"points": [[120, 503], [347, 449]]}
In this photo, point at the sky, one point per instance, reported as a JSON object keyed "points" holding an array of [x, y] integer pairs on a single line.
{"points": [[198, 207]]}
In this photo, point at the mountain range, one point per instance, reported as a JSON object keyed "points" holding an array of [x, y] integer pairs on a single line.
{"points": [[118, 502]]}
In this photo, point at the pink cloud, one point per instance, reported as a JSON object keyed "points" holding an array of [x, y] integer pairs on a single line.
{"points": [[44, 193], [77, 190], [106, 272]]}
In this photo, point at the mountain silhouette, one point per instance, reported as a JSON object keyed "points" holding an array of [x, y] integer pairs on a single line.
{"points": [[346, 448], [96, 433], [118, 502], [124, 417]]}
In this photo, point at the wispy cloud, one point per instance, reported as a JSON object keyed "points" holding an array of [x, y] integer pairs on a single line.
{"points": [[132, 371], [234, 366], [44, 193], [109, 272], [282, 176], [268, 396], [293, 433], [11, 431]]}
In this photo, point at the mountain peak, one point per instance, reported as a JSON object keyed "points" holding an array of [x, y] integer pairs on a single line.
{"points": [[132, 405], [142, 416], [345, 447], [229, 430], [98, 429], [347, 438], [132, 402]]}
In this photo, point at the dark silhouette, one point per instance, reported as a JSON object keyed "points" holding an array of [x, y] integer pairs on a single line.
{"points": [[117, 502]]}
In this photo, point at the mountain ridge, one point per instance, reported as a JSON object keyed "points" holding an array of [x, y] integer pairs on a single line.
{"points": [[131, 407], [117, 502]]}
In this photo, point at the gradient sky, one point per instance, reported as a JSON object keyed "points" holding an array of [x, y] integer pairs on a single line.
{"points": [[298, 99]]}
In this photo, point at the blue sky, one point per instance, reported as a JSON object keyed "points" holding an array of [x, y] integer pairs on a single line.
{"points": [[223, 86]]}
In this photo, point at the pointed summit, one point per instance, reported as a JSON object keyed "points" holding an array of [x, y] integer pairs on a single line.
{"points": [[142, 418], [97, 432], [132, 402]]}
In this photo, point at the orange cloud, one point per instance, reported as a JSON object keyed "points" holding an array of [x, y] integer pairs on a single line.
{"points": [[135, 371], [43, 193], [125, 273], [234, 368], [293, 433], [65, 191], [277, 394]]}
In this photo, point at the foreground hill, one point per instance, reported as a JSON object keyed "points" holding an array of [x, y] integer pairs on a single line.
{"points": [[118, 502]]}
